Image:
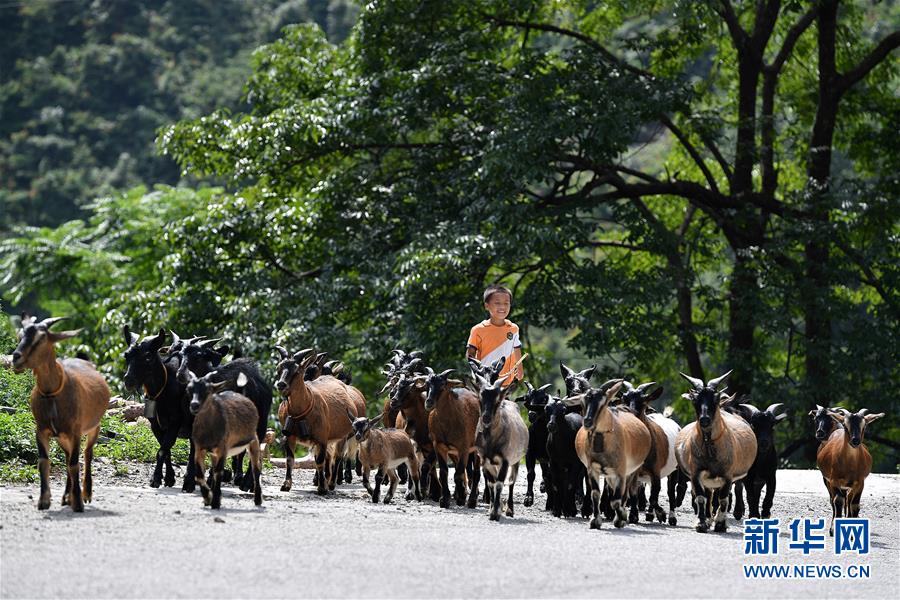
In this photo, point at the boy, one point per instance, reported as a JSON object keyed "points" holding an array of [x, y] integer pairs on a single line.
{"points": [[497, 337]]}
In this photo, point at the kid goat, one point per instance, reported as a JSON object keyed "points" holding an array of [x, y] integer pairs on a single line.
{"points": [[68, 399], [714, 451], [385, 450], [845, 462]]}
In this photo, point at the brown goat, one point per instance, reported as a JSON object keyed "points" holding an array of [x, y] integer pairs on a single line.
{"points": [[224, 425], [322, 404], [714, 451], [452, 423], [385, 450], [68, 401], [612, 443], [845, 462], [408, 397]]}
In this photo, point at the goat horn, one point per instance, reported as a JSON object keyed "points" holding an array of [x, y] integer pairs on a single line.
{"points": [[545, 387], [302, 353], [282, 351], [415, 354], [753, 410], [863, 412], [51, 321], [606, 386], [714, 383], [529, 387], [445, 373], [819, 407], [175, 338], [209, 343], [644, 386], [773, 408], [696, 383], [429, 370], [628, 386]]}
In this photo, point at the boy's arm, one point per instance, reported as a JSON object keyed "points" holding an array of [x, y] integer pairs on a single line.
{"points": [[516, 355], [471, 351]]}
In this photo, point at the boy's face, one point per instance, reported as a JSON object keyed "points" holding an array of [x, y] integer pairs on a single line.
{"points": [[498, 306]]}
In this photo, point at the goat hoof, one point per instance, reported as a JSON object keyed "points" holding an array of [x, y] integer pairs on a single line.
{"points": [[649, 517], [495, 516], [595, 524], [78, 507], [226, 476], [509, 512], [673, 521], [375, 498], [188, 489], [216, 504], [286, 486], [155, 483], [472, 503], [634, 519], [720, 527], [322, 491], [529, 500], [738, 515], [702, 528], [65, 500], [387, 499], [619, 523], [445, 502], [766, 514], [409, 497], [44, 503]]}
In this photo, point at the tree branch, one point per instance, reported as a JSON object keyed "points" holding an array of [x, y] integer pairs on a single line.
{"points": [[738, 35], [870, 279], [872, 60], [790, 40], [609, 56], [692, 151]]}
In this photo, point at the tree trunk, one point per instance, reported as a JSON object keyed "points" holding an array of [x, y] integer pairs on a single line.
{"points": [[742, 300]]}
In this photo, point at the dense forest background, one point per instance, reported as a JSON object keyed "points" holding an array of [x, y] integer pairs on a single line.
{"points": [[666, 186]]}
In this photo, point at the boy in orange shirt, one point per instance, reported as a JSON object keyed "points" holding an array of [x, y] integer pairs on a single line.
{"points": [[497, 336]]}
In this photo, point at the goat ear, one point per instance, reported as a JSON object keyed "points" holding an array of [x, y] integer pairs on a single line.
{"points": [[836, 417], [813, 412], [780, 417], [130, 338], [351, 416], [282, 351], [687, 396], [655, 394], [565, 371], [242, 380], [375, 419], [455, 383], [589, 372], [875, 417], [58, 336], [218, 386]]}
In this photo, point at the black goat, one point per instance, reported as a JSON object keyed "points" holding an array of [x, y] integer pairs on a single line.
{"points": [[567, 472], [576, 382], [167, 403], [535, 400], [762, 473], [202, 359]]}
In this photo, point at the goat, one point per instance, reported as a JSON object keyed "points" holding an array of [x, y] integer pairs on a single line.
{"points": [[535, 401], [489, 373], [714, 451], [166, 403], [500, 440], [407, 398], [452, 422], [566, 472], [225, 424], [660, 461], [762, 472], [823, 422], [201, 358], [576, 382], [385, 449], [612, 443], [321, 404], [845, 462], [68, 400]]}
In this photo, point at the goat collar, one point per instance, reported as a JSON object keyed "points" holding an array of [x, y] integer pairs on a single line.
{"points": [[161, 389], [304, 412], [62, 383]]}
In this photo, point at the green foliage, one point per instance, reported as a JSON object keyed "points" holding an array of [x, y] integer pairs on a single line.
{"points": [[16, 471], [134, 442]]}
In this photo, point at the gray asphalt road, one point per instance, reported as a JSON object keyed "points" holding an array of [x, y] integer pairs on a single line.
{"points": [[137, 542]]}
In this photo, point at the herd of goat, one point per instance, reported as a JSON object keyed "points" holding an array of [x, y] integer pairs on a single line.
{"points": [[598, 447]]}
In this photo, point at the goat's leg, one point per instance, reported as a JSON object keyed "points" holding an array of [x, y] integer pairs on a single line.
{"points": [[237, 467], [587, 501], [392, 474], [43, 445], [754, 491], [199, 471], [853, 499], [67, 492], [476, 475], [597, 520], [348, 470], [413, 490], [217, 478], [254, 470], [403, 473], [379, 477], [169, 478], [189, 484], [88, 482], [699, 504], [322, 466], [72, 452], [164, 453], [641, 494], [606, 501], [445, 486], [681, 483], [513, 474], [770, 496], [655, 487], [633, 489], [529, 466], [739, 499], [498, 490], [459, 479], [619, 487], [290, 443], [671, 492], [721, 525], [549, 487]]}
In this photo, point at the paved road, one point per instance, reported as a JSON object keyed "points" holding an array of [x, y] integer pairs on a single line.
{"points": [[137, 542]]}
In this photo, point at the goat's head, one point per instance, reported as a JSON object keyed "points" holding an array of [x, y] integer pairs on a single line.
{"points": [[289, 366], [535, 400], [362, 426], [705, 397], [490, 373], [35, 342], [491, 396], [763, 422], [198, 356], [854, 423], [315, 368], [823, 422], [576, 382], [407, 389], [199, 389], [142, 358], [595, 400], [435, 383], [555, 410], [637, 399]]}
